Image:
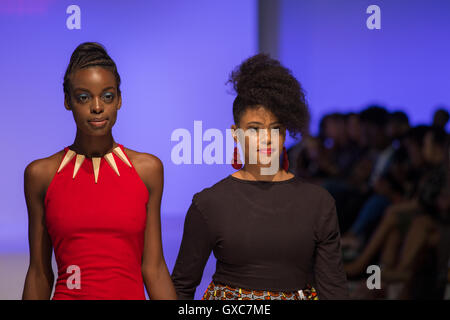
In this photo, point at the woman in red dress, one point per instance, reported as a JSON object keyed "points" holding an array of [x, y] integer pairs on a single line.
{"points": [[95, 203]]}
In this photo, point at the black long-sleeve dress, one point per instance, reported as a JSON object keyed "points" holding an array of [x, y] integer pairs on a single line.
{"points": [[277, 235]]}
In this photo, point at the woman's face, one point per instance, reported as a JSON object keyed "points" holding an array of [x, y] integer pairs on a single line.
{"points": [[261, 142], [94, 100]]}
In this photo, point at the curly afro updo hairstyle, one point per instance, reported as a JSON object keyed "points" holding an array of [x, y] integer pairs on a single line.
{"points": [[263, 81]]}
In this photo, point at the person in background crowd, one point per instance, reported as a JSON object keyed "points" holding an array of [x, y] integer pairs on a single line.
{"points": [[398, 177]]}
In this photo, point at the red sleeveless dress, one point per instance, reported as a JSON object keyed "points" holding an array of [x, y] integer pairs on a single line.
{"points": [[97, 227]]}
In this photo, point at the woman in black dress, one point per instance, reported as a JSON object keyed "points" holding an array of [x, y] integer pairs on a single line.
{"points": [[274, 235]]}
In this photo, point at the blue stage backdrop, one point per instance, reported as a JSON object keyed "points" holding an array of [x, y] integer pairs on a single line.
{"points": [[174, 58], [344, 65]]}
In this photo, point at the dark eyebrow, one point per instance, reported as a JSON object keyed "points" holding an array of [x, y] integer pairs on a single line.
{"points": [[256, 122], [83, 89]]}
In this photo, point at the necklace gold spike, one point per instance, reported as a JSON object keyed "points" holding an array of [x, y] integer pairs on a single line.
{"points": [[121, 155], [96, 165], [78, 162], [112, 163], [96, 161], [69, 155]]}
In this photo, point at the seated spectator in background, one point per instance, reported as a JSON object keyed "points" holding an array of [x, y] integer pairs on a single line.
{"points": [[440, 118], [330, 155], [391, 187], [442, 272], [354, 130], [375, 120], [387, 180], [387, 191], [397, 127], [410, 227], [354, 189], [414, 144], [308, 157], [340, 153]]}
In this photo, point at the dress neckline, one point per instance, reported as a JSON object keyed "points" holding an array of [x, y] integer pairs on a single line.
{"points": [[108, 157], [292, 179], [118, 145]]}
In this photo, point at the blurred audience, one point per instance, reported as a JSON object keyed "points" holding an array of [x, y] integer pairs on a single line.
{"points": [[391, 184]]}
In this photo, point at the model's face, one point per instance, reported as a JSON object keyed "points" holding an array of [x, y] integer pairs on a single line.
{"points": [[261, 142], [94, 100]]}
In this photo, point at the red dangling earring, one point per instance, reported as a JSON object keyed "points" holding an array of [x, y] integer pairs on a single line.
{"points": [[285, 160], [235, 163]]}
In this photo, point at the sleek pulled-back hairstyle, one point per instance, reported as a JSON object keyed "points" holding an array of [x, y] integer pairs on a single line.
{"points": [[89, 54], [261, 80]]}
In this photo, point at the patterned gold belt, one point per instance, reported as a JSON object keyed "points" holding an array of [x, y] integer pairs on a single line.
{"points": [[218, 291]]}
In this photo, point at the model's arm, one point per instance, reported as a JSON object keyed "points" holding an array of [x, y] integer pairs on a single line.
{"points": [[330, 277], [195, 249], [154, 269], [39, 279]]}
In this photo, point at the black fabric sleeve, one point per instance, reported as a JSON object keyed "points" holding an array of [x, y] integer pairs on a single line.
{"points": [[330, 278], [196, 246]]}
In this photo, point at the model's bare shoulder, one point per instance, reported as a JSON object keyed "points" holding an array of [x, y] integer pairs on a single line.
{"points": [[39, 173], [148, 166], [145, 160]]}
